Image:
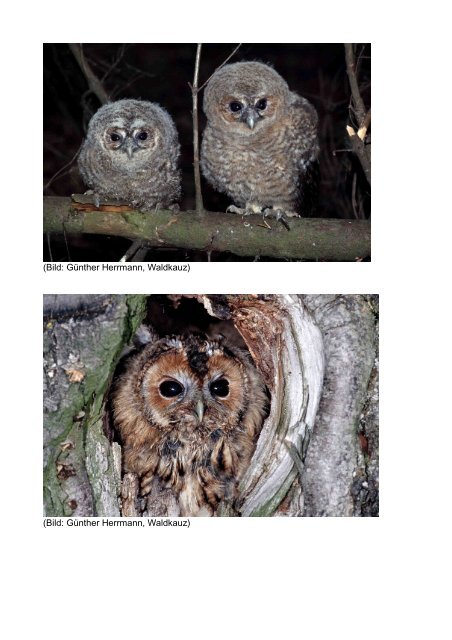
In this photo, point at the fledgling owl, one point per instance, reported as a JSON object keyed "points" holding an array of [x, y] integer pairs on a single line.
{"points": [[188, 411], [131, 154], [260, 143]]}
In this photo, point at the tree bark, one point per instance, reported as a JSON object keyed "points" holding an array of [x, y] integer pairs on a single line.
{"points": [[341, 470], [83, 339], [308, 238]]}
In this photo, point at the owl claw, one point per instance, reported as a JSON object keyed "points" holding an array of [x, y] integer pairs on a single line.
{"points": [[279, 214], [282, 218]]}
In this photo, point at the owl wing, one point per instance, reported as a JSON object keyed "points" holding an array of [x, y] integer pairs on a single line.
{"points": [[305, 122]]}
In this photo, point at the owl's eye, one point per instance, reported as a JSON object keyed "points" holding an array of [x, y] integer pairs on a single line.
{"points": [[142, 135], [235, 106], [115, 137], [261, 105], [219, 388], [170, 389]]}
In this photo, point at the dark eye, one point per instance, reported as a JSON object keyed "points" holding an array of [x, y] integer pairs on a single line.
{"points": [[142, 135], [170, 389], [261, 104], [219, 388], [235, 106], [115, 137]]}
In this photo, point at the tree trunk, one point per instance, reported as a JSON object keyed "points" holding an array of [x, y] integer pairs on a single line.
{"points": [[83, 339]]}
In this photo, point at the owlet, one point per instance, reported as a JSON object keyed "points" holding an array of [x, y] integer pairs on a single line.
{"points": [[131, 154], [260, 144]]}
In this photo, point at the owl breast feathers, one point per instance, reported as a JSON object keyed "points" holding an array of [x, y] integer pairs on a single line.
{"points": [[130, 154], [188, 412], [260, 143]]}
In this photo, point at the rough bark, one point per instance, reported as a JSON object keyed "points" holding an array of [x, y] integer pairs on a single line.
{"points": [[308, 238], [340, 469], [83, 338]]}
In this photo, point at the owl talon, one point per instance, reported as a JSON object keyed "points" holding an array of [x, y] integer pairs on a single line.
{"points": [[280, 217], [278, 214]]}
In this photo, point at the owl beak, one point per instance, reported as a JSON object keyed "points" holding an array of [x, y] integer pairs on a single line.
{"points": [[200, 410], [129, 147], [250, 117]]}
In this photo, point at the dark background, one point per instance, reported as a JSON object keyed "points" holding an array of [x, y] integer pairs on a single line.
{"points": [[161, 73]]}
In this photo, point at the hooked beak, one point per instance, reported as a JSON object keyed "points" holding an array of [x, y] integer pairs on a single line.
{"points": [[130, 147], [199, 410], [250, 116]]}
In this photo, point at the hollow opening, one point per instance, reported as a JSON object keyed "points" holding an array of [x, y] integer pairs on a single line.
{"points": [[177, 315]]}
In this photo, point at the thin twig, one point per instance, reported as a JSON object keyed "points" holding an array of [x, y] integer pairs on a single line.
{"points": [[55, 175], [93, 81], [132, 250], [195, 90], [49, 247], [221, 65]]}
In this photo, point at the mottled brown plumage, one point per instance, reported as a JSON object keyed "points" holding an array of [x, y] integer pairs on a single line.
{"points": [[260, 143], [188, 412], [130, 154]]}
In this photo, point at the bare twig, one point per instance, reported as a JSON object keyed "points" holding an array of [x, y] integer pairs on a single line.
{"points": [[221, 65], [136, 246], [49, 247], [93, 81], [194, 91], [59, 172]]}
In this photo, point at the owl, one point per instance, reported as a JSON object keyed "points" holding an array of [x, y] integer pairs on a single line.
{"points": [[131, 154], [188, 411], [260, 144]]}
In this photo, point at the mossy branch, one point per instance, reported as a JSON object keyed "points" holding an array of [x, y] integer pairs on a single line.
{"points": [[308, 238]]}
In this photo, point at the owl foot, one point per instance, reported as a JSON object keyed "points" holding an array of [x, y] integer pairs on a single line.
{"points": [[241, 212], [279, 214], [95, 196]]}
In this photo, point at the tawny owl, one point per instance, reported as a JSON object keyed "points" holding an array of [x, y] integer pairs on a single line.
{"points": [[188, 411], [131, 154], [260, 144]]}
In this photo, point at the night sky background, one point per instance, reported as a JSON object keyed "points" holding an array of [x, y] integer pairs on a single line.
{"points": [[161, 73]]}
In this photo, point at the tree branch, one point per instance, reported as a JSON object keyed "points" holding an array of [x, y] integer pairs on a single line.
{"points": [[308, 238], [358, 102], [357, 138], [93, 81], [361, 151]]}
